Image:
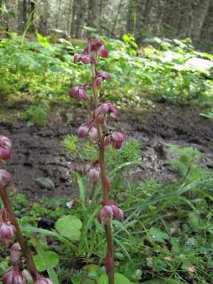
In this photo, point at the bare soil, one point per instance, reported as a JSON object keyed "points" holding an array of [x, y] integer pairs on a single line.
{"points": [[39, 153]]}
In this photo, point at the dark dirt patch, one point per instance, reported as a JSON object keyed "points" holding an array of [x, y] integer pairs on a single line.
{"points": [[39, 153], [172, 122]]}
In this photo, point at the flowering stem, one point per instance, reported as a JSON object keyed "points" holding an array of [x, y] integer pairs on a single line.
{"points": [[109, 265], [20, 238]]}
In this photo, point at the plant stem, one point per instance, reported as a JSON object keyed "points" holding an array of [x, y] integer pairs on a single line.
{"points": [[20, 238], [110, 252], [105, 184]]}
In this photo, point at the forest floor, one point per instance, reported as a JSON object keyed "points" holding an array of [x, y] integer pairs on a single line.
{"points": [[42, 167]]}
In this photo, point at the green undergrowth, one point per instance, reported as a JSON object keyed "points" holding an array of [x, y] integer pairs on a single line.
{"points": [[40, 72], [166, 236]]}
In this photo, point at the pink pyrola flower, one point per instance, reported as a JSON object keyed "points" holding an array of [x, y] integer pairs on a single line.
{"points": [[107, 108], [13, 276], [79, 92], [94, 173], [15, 253], [93, 133], [7, 232], [83, 131], [101, 76], [5, 178], [110, 210], [95, 44], [117, 139], [105, 214], [118, 213], [88, 130], [5, 148], [84, 58], [43, 280], [103, 52]]}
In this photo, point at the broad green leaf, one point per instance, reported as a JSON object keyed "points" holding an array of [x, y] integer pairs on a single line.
{"points": [[119, 279], [69, 227], [45, 260]]}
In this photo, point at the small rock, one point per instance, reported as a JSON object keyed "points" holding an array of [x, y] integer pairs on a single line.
{"points": [[45, 182]]}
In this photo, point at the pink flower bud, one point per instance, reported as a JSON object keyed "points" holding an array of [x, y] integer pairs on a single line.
{"points": [[117, 139], [83, 131], [5, 178], [5, 148], [78, 92], [43, 280], [103, 52], [13, 276], [7, 232], [93, 133], [15, 253], [106, 213], [94, 173]]}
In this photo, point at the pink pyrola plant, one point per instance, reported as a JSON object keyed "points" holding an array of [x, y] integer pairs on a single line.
{"points": [[10, 230], [97, 131]]}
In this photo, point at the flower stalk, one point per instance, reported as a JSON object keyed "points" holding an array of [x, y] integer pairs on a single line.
{"points": [[20, 238], [98, 120], [10, 230]]}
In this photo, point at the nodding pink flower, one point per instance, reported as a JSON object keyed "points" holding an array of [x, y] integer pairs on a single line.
{"points": [[83, 131], [94, 173], [103, 52], [43, 280], [117, 139], [93, 133], [13, 276], [110, 210], [84, 58], [106, 108], [105, 214], [78, 92], [7, 232], [15, 253], [118, 213], [5, 178], [5, 148], [95, 44], [101, 76]]}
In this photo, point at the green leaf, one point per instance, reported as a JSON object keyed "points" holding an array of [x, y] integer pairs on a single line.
{"points": [[69, 227], [158, 235], [45, 260], [53, 276], [119, 279]]}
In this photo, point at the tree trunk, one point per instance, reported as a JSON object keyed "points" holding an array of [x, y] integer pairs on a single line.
{"points": [[22, 15], [200, 12], [44, 17]]}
